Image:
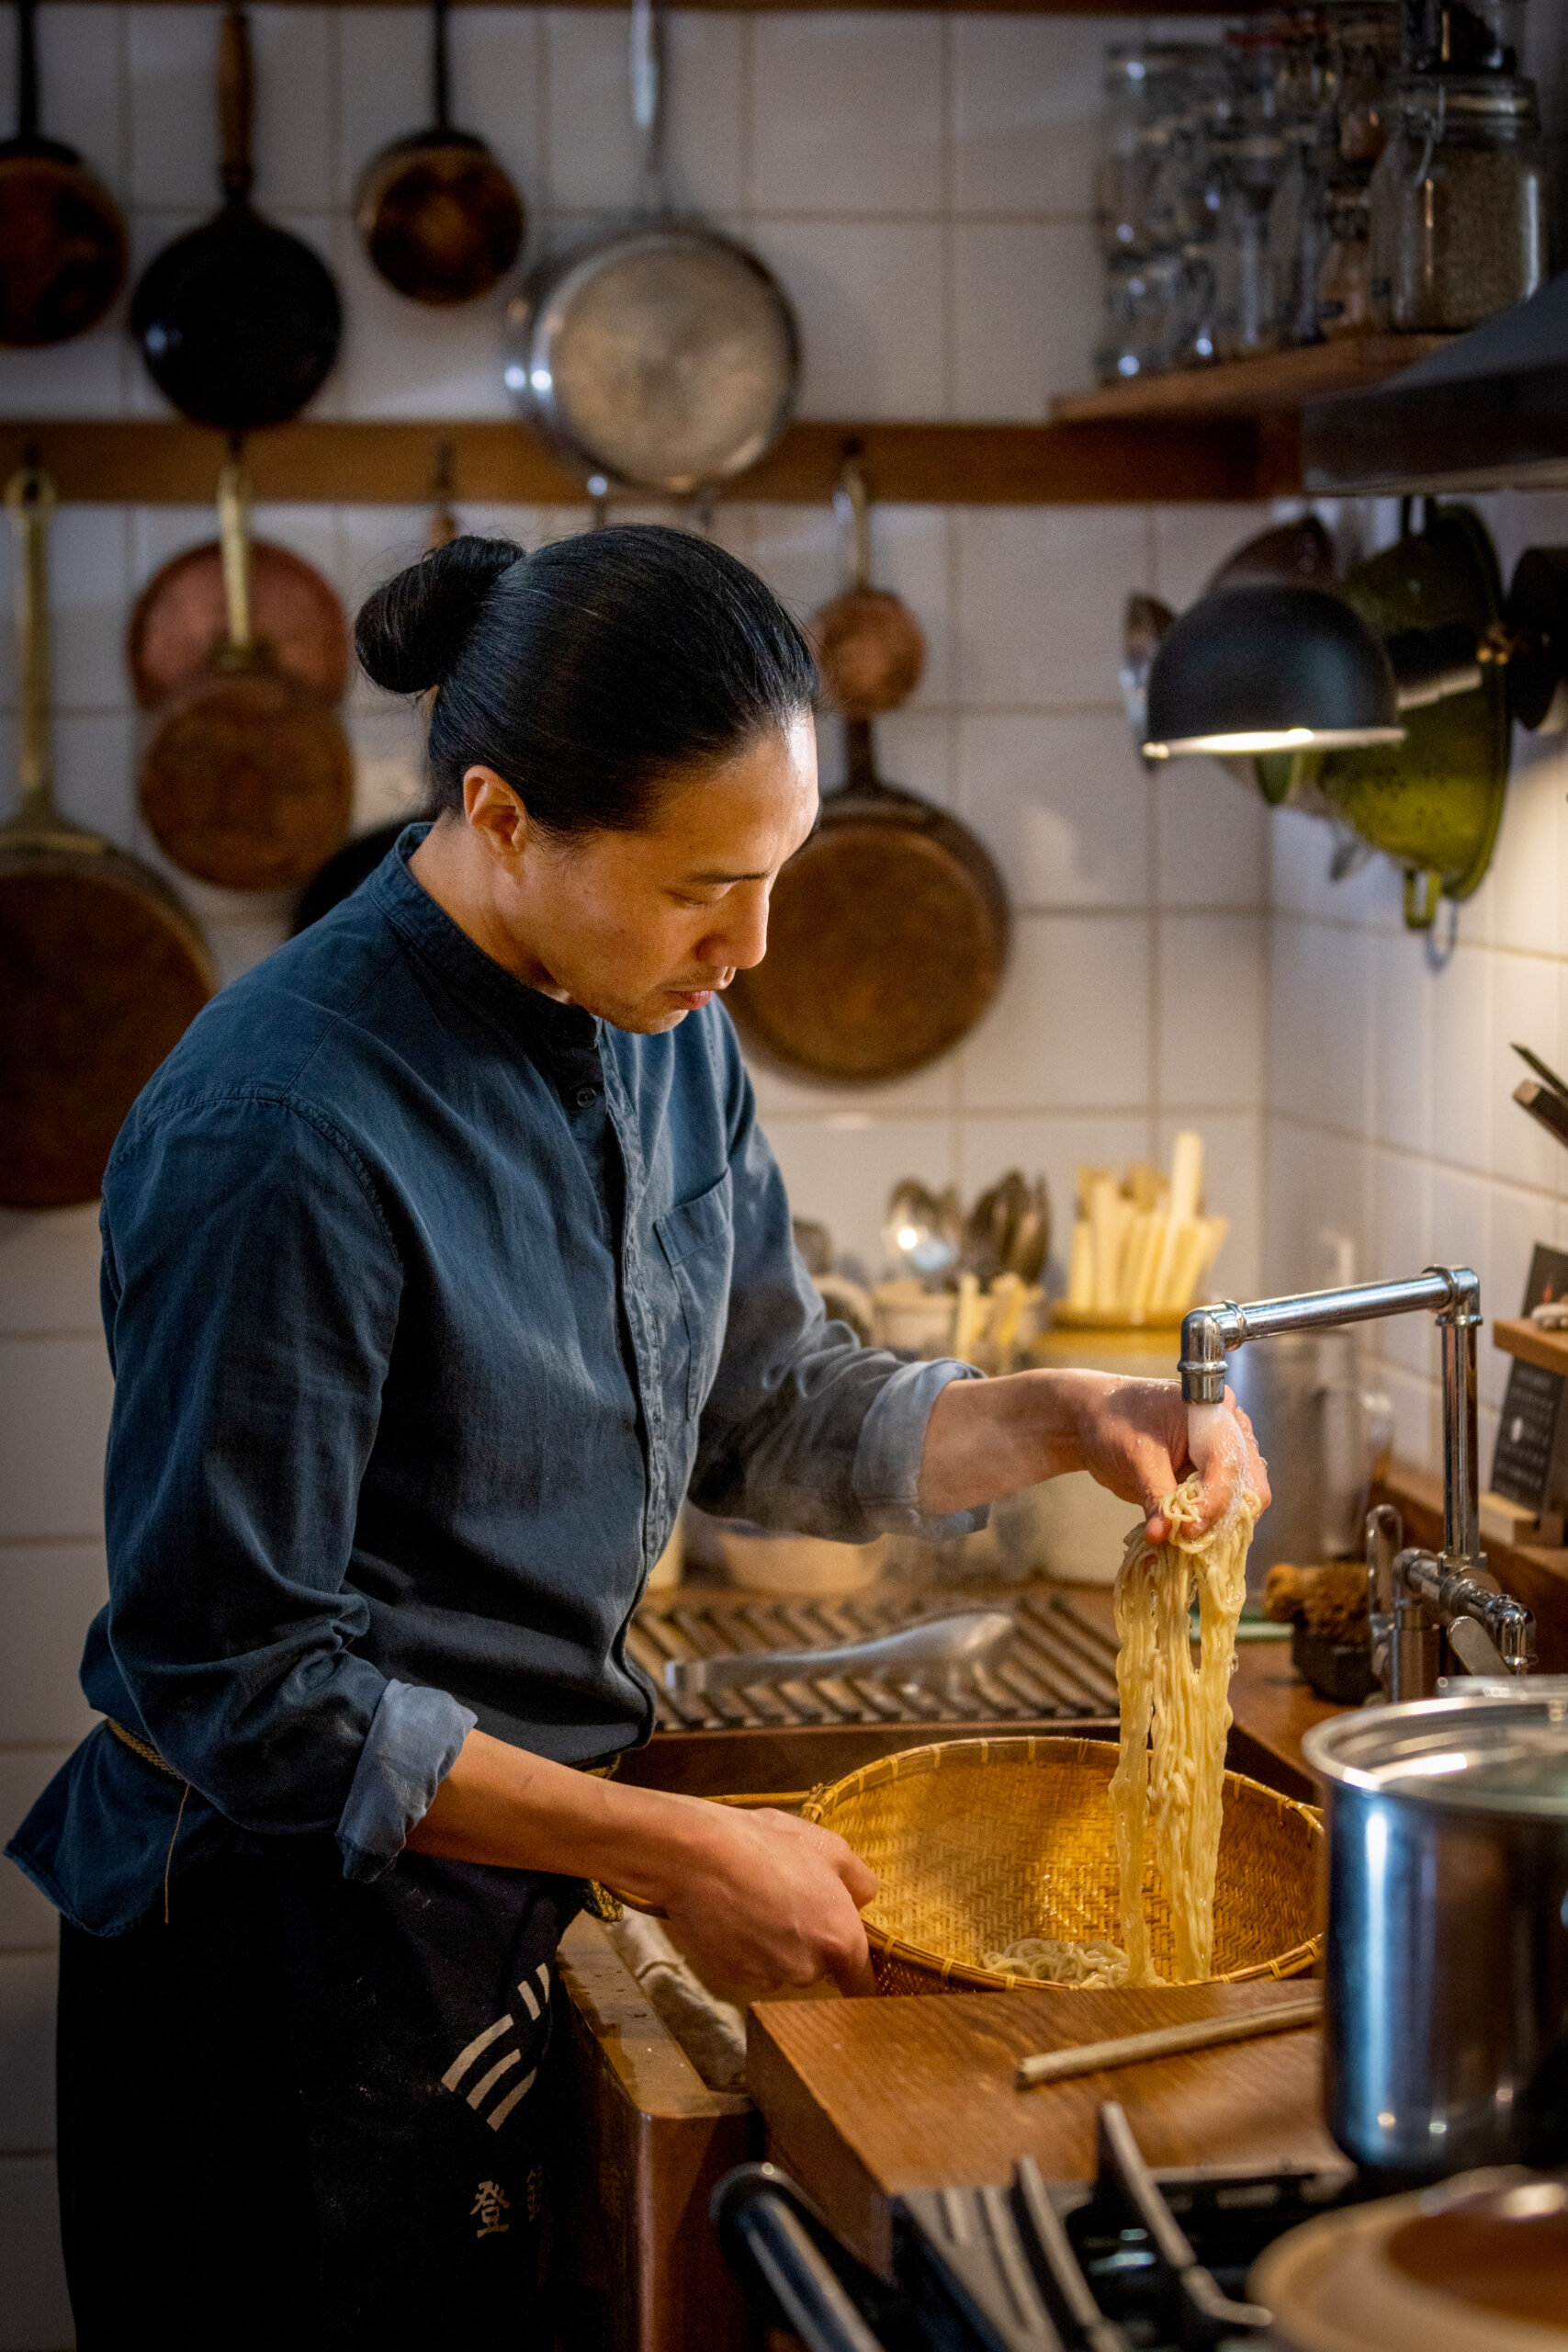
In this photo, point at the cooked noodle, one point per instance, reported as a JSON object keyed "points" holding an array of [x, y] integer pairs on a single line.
{"points": [[1091, 1965], [1168, 1785]]}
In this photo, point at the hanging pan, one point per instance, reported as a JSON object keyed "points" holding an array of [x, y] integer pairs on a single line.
{"points": [[239, 322], [247, 781], [101, 969], [868, 644], [181, 615], [662, 355], [61, 239], [436, 214], [887, 933]]}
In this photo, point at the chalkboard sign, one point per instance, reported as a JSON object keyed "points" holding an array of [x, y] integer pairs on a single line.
{"points": [[1531, 1466]]}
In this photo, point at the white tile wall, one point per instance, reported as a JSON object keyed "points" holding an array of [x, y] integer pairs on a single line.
{"points": [[921, 184]]}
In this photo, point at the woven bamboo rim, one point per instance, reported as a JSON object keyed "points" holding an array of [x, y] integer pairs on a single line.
{"points": [[1270, 1852]]}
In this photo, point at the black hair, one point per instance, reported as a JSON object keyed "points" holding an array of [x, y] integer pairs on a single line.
{"points": [[586, 672]]}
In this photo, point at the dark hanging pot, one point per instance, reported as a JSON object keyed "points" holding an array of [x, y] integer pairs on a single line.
{"points": [[437, 216], [239, 322], [63, 250]]}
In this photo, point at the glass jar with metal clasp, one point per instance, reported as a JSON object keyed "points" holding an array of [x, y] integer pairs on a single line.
{"points": [[1459, 202]]}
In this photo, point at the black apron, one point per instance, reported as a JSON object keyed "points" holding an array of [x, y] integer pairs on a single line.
{"points": [[312, 2113]]}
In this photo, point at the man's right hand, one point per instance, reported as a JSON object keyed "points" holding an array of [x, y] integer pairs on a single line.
{"points": [[757, 1898]]}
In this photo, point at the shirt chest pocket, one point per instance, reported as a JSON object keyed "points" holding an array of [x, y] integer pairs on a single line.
{"points": [[698, 1242]]}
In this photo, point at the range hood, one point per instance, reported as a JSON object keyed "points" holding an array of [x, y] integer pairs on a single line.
{"points": [[1489, 413]]}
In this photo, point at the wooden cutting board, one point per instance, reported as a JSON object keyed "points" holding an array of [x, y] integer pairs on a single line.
{"points": [[865, 2099]]}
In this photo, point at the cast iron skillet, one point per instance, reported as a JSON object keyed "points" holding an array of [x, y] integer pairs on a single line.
{"points": [[239, 322]]}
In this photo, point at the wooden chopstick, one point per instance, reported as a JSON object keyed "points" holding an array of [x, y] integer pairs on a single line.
{"points": [[1169, 2041]]}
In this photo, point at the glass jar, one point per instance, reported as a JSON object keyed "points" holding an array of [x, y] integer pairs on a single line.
{"points": [[1345, 270], [1247, 304], [1459, 203], [1463, 35], [1141, 310], [1141, 95], [1366, 45]]}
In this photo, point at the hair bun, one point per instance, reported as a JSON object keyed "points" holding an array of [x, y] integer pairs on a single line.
{"points": [[411, 633]]}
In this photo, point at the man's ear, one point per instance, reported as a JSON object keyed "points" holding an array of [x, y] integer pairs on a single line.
{"points": [[495, 812]]}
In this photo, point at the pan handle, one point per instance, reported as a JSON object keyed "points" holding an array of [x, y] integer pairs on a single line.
{"points": [[851, 505], [235, 104], [27, 71], [30, 496], [647, 101], [440, 67], [234, 531]]}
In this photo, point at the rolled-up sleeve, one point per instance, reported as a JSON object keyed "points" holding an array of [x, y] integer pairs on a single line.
{"points": [[251, 1294], [805, 1428]]}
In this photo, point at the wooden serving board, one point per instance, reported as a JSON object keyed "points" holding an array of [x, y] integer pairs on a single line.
{"points": [[865, 2099]]}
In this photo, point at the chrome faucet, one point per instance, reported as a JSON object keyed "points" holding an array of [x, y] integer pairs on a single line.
{"points": [[1421, 1603]]}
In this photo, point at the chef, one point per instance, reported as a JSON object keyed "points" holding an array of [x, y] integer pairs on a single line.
{"points": [[442, 1259]]}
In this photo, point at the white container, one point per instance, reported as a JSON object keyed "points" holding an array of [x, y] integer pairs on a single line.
{"points": [[1072, 1528], [801, 1567], [908, 1316]]}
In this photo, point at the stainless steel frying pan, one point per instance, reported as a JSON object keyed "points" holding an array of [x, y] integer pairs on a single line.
{"points": [[662, 355]]}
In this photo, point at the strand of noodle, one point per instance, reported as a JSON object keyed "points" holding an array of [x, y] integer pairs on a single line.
{"points": [[1169, 1774]]}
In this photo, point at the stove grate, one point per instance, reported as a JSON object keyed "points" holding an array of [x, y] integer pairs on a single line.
{"points": [[1062, 1666]]}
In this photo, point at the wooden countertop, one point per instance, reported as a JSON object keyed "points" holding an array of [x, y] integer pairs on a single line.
{"points": [[865, 2099]]}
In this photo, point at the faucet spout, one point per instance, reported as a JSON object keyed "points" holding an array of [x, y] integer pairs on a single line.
{"points": [[1419, 1596], [1450, 1293]]}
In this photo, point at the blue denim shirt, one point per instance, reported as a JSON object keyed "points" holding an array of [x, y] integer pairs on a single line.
{"points": [[428, 1299]]}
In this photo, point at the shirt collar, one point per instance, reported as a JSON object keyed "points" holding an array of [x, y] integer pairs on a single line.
{"points": [[430, 930]]}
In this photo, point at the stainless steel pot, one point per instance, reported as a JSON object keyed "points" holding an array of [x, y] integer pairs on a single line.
{"points": [[1320, 1432], [1446, 1998]]}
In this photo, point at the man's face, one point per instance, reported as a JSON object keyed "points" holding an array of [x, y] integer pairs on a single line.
{"points": [[642, 928]]}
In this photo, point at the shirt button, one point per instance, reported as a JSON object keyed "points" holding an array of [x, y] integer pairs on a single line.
{"points": [[585, 1096]]}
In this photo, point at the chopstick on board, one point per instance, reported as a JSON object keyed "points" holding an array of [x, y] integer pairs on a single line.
{"points": [[1169, 2041]]}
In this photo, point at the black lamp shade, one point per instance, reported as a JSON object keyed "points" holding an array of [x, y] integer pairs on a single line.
{"points": [[1269, 669]]}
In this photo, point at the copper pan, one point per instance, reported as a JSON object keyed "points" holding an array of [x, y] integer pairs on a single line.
{"points": [[248, 780], [887, 933], [868, 644], [63, 249], [182, 615], [101, 968], [437, 216]]}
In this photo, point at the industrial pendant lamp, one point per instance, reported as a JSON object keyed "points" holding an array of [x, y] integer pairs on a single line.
{"points": [[1269, 668], [1283, 668]]}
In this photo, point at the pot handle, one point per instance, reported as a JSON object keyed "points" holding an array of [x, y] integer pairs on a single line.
{"points": [[234, 531], [440, 68], [647, 101], [30, 496], [235, 103], [851, 505], [27, 71]]}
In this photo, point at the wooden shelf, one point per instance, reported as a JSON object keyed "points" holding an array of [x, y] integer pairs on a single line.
{"points": [[768, 7], [164, 462], [1517, 1336], [1274, 385]]}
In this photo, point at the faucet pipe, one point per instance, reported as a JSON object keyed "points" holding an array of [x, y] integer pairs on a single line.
{"points": [[1452, 1292]]}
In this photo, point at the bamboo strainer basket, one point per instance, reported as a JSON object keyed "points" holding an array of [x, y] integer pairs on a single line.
{"points": [[977, 1842]]}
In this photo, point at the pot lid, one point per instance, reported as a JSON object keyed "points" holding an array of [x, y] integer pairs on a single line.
{"points": [[1499, 1747]]}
